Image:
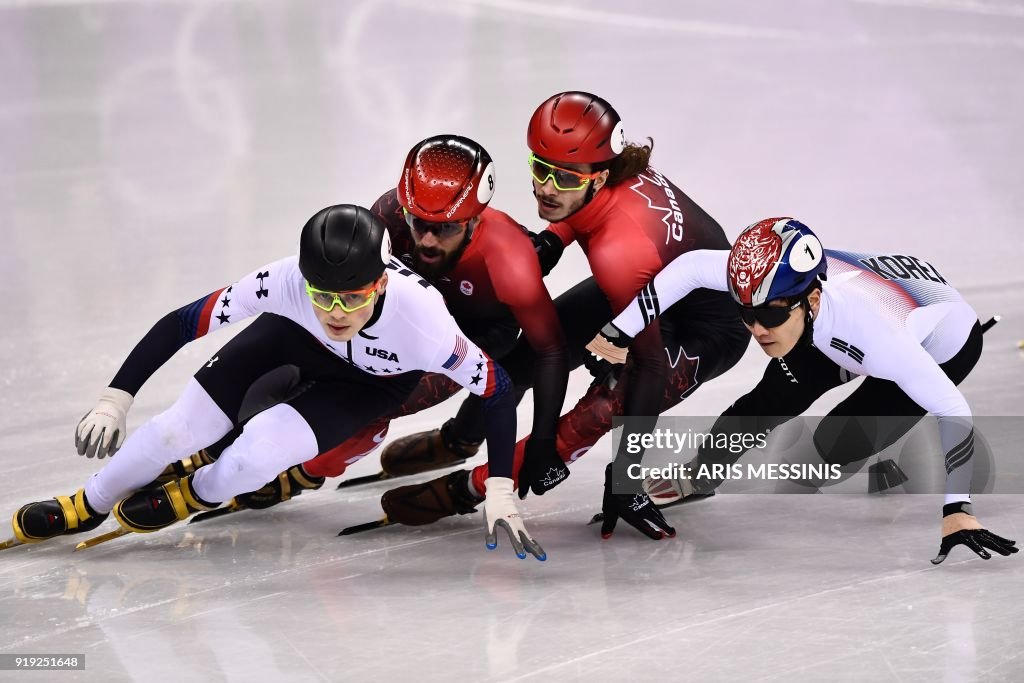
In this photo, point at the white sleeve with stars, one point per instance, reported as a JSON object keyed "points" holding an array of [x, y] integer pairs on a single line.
{"points": [[465, 362], [261, 291], [442, 347]]}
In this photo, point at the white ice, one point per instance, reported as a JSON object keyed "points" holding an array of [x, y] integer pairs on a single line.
{"points": [[152, 152]]}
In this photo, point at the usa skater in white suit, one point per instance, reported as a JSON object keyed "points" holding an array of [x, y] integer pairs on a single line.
{"points": [[360, 327]]}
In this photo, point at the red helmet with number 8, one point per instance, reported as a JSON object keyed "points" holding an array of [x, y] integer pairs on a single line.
{"points": [[446, 178], [576, 127]]}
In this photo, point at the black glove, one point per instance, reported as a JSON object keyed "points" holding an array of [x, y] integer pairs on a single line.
{"points": [[636, 509], [284, 486], [600, 369], [977, 540], [549, 249], [542, 469]]}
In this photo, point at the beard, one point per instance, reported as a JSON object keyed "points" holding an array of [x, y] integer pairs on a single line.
{"points": [[433, 271], [588, 194]]}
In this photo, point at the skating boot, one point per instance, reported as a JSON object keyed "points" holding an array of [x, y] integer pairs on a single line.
{"points": [[182, 468], [419, 504], [284, 486], [47, 519], [426, 451], [885, 475], [157, 508]]}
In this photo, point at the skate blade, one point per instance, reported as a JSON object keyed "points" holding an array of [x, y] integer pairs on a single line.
{"points": [[384, 476], [219, 512], [368, 479], [10, 543], [103, 538], [359, 528], [692, 498]]}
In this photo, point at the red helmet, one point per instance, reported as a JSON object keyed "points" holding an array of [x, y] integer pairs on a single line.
{"points": [[576, 127], [446, 178]]}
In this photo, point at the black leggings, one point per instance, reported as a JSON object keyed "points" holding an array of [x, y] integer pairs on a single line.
{"points": [[333, 397], [712, 336], [582, 311], [876, 415]]}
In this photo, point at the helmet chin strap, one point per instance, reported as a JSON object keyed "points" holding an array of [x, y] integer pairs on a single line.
{"points": [[378, 309], [807, 337]]}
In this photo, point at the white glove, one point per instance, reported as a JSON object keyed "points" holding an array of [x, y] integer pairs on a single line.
{"points": [[101, 432], [500, 511]]}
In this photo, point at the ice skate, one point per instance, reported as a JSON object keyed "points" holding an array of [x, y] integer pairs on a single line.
{"points": [[421, 452], [43, 520], [153, 509]]}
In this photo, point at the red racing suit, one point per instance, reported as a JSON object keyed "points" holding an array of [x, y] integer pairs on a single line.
{"points": [[629, 232], [494, 290]]}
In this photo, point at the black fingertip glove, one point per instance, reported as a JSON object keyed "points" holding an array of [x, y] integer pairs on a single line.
{"points": [[978, 540], [636, 509], [549, 249], [542, 469]]}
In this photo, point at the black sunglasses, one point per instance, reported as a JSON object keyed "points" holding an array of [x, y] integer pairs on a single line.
{"points": [[439, 230], [768, 316]]}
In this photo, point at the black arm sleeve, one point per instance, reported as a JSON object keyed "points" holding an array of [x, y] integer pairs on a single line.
{"points": [[645, 377], [163, 340], [500, 420], [788, 387], [648, 374], [550, 379]]}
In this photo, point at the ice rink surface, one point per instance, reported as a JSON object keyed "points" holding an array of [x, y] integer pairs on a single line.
{"points": [[151, 153]]}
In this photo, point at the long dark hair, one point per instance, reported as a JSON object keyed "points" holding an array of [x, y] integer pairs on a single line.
{"points": [[633, 161]]}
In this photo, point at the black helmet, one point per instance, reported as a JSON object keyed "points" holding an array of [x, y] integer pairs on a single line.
{"points": [[343, 247]]}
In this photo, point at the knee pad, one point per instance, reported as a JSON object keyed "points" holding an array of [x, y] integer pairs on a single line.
{"points": [[271, 442], [257, 457], [194, 421], [247, 465]]}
